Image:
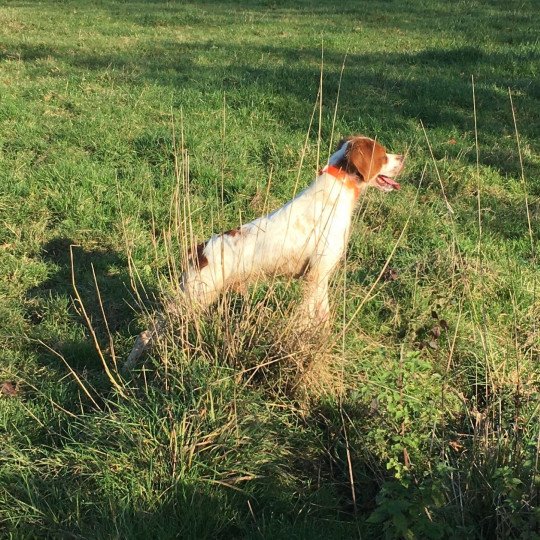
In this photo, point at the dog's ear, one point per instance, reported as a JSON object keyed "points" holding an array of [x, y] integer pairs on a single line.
{"points": [[365, 157]]}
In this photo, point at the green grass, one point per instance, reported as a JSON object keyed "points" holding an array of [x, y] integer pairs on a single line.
{"points": [[420, 422]]}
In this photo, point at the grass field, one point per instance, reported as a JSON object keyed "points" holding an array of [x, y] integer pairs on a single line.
{"points": [[417, 418]]}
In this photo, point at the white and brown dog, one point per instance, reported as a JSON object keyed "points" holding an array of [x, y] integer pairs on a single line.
{"points": [[306, 238]]}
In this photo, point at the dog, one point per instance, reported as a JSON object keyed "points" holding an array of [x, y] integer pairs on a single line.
{"points": [[305, 239]]}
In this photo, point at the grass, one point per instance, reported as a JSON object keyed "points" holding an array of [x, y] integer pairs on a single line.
{"points": [[420, 420]]}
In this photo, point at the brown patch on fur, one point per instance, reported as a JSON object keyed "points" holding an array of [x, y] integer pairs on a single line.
{"points": [[364, 157], [304, 269], [233, 232], [197, 257]]}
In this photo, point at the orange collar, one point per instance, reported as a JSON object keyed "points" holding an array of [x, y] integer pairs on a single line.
{"points": [[348, 180]]}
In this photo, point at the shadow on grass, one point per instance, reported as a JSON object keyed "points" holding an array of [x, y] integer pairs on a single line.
{"points": [[187, 511], [381, 93], [54, 313], [292, 496]]}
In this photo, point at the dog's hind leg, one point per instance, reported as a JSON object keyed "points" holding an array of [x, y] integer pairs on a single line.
{"points": [[198, 291], [142, 344]]}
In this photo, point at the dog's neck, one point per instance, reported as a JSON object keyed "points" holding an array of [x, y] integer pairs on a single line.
{"points": [[349, 181], [333, 168]]}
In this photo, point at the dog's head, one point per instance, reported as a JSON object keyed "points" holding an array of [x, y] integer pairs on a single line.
{"points": [[369, 161]]}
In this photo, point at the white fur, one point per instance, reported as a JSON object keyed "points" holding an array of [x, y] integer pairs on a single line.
{"points": [[310, 231]]}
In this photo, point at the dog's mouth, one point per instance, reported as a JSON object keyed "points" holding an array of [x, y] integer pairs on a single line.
{"points": [[385, 183]]}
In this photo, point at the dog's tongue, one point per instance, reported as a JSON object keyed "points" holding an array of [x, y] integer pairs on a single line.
{"points": [[389, 181]]}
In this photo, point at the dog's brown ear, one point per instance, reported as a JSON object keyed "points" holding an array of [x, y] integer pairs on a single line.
{"points": [[366, 158]]}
